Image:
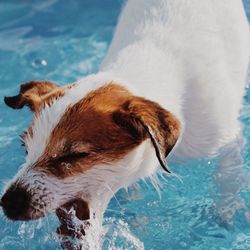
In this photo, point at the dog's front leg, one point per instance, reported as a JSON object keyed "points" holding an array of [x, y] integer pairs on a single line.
{"points": [[230, 178]]}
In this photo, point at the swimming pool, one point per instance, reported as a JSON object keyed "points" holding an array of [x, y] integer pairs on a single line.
{"points": [[63, 41]]}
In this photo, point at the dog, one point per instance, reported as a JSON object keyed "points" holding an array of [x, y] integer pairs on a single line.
{"points": [[171, 84]]}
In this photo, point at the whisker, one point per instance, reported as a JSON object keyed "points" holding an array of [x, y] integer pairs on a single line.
{"points": [[106, 184]]}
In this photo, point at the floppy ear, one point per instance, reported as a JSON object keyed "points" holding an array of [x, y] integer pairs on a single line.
{"points": [[144, 118], [35, 94]]}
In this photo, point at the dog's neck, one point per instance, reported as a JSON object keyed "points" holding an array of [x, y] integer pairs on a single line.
{"points": [[141, 163]]}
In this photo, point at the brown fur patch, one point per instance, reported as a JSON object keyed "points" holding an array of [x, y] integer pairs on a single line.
{"points": [[35, 94], [103, 127]]}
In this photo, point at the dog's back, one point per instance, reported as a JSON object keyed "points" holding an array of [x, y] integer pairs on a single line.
{"points": [[192, 58]]}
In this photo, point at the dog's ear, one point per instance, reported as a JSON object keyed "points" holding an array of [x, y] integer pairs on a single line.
{"points": [[35, 94], [144, 118]]}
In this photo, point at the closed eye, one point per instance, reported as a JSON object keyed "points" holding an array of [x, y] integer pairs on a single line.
{"points": [[70, 158]]}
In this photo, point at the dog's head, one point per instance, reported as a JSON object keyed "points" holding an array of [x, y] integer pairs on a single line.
{"points": [[81, 143]]}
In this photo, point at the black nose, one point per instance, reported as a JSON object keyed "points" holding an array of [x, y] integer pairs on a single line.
{"points": [[14, 102], [15, 203]]}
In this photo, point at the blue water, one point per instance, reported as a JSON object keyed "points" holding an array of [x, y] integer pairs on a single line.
{"points": [[63, 41]]}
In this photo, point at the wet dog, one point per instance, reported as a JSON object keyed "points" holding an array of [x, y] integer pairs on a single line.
{"points": [[172, 70]]}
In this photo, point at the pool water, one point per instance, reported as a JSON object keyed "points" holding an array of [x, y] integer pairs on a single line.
{"points": [[63, 41]]}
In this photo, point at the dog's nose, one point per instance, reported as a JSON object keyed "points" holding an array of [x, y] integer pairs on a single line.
{"points": [[15, 203]]}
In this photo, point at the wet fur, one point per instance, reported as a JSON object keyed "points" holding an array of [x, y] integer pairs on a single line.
{"points": [[172, 70]]}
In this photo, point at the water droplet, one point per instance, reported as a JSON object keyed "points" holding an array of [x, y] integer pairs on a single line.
{"points": [[66, 165], [43, 62], [38, 63], [54, 156]]}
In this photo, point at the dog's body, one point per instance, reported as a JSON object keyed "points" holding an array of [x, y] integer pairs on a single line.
{"points": [[189, 58]]}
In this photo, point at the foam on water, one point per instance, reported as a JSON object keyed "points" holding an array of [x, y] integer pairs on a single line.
{"points": [[63, 42]]}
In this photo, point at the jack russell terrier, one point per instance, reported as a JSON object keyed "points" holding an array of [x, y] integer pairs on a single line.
{"points": [[172, 81]]}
